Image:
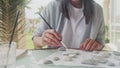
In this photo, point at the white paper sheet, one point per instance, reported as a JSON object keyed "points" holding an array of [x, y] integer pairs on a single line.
{"points": [[83, 56], [21, 66]]}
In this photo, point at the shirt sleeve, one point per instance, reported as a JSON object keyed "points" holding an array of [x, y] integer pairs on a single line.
{"points": [[51, 15], [42, 26], [101, 32]]}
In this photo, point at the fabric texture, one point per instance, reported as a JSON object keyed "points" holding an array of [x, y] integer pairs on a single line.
{"points": [[94, 30]]}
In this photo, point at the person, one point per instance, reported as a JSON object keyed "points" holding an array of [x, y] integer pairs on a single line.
{"points": [[78, 23]]}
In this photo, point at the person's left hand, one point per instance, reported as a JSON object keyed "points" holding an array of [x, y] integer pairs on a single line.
{"points": [[91, 45]]}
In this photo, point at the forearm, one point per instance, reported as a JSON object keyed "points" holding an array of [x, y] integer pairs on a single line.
{"points": [[37, 41], [49, 37]]}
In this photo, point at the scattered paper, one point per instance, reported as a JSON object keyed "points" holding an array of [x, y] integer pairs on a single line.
{"points": [[101, 59]]}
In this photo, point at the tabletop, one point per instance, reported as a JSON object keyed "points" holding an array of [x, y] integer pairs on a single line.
{"points": [[31, 57]]}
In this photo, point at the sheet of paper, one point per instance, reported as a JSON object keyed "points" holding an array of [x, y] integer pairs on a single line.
{"points": [[83, 56], [19, 52], [21, 66]]}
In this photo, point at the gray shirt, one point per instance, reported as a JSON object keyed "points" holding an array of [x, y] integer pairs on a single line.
{"points": [[74, 31]]}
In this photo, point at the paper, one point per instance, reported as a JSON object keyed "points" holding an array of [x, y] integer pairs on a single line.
{"points": [[109, 56], [21, 66], [20, 52]]}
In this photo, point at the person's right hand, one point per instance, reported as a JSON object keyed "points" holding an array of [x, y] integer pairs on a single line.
{"points": [[51, 37]]}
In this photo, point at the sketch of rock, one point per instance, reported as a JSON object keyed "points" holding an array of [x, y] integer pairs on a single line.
{"points": [[47, 62], [89, 62], [85, 58], [67, 58], [56, 58], [103, 61], [117, 58], [96, 52], [105, 54], [61, 48], [116, 53], [77, 52], [65, 54], [100, 59], [110, 64], [72, 55]]}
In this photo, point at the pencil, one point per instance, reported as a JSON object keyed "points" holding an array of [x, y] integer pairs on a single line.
{"points": [[51, 28]]}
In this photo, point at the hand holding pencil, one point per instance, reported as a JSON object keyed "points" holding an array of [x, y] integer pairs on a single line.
{"points": [[52, 37]]}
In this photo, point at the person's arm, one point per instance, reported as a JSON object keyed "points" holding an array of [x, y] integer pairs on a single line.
{"points": [[37, 34], [49, 37], [50, 14], [98, 43], [37, 41]]}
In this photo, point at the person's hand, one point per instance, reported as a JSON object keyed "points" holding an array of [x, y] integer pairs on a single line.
{"points": [[91, 45], [51, 37]]}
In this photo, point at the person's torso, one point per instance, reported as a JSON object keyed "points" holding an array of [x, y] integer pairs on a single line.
{"points": [[75, 30]]}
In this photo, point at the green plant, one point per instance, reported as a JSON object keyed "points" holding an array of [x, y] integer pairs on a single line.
{"points": [[107, 40], [8, 10]]}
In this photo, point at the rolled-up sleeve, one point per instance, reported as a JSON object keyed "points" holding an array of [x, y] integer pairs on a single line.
{"points": [[101, 32], [42, 26], [39, 29]]}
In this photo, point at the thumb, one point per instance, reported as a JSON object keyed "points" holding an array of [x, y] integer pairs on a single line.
{"points": [[81, 47]]}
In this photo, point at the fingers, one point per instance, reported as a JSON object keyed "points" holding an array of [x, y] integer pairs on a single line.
{"points": [[88, 46], [49, 41], [56, 34], [99, 47], [85, 44], [51, 37], [81, 47], [91, 45]]}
